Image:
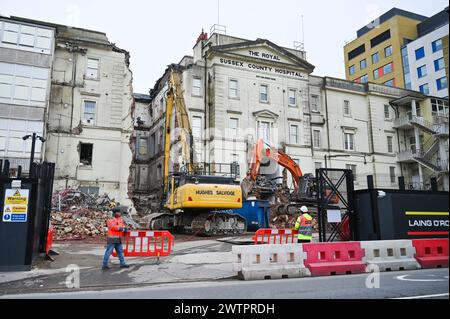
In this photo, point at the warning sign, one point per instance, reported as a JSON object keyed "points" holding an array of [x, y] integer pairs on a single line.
{"points": [[16, 206], [19, 197]]}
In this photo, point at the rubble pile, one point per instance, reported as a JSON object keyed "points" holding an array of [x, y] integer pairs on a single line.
{"points": [[79, 224], [77, 215]]}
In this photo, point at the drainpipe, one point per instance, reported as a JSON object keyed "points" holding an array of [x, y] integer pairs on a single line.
{"points": [[74, 73], [397, 115], [205, 156], [310, 122], [327, 116]]}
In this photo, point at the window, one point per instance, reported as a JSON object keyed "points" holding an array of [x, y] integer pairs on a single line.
{"points": [[390, 83], [388, 68], [437, 45], [376, 74], [424, 89], [388, 51], [363, 64], [390, 144], [439, 107], [22, 84], [392, 174], [441, 83], [234, 126], [420, 53], [161, 139], [347, 110], [264, 94], [233, 89], [314, 103], [143, 146], [264, 130], [24, 37], [352, 70], [197, 127], [89, 112], [439, 64], [152, 144], [358, 51], [86, 151], [92, 68], [352, 168], [349, 141], [380, 38], [159, 172], [293, 134], [234, 158], [422, 71], [317, 137], [364, 79], [197, 86], [292, 97], [387, 112], [375, 58]]}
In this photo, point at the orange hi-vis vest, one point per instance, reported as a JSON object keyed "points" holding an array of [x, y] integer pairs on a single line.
{"points": [[113, 227]]}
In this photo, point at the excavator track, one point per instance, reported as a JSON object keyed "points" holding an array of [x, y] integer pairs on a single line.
{"points": [[218, 223]]}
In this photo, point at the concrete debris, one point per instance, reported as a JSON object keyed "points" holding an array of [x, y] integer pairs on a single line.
{"points": [[70, 199]]}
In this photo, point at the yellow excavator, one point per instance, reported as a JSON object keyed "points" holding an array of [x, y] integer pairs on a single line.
{"points": [[199, 197]]}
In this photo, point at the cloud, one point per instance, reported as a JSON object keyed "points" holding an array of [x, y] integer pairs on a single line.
{"points": [[73, 15], [373, 12]]}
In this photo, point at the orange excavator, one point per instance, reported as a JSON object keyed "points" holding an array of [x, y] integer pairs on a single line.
{"points": [[304, 185]]}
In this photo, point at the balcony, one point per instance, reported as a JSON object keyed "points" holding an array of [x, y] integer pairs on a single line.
{"points": [[410, 121]]}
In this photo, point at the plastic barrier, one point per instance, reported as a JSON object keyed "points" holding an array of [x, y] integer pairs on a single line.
{"points": [[270, 262], [144, 243], [275, 236], [49, 242], [432, 253], [326, 259], [391, 255]]}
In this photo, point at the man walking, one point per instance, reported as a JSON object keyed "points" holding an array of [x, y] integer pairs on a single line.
{"points": [[304, 226], [116, 227]]}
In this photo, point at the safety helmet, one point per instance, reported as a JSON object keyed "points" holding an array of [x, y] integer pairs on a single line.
{"points": [[304, 209]]}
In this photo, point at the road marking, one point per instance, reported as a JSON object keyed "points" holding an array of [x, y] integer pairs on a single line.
{"points": [[403, 278], [423, 297]]}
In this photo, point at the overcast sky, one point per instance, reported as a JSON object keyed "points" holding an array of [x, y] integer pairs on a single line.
{"points": [[158, 33]]}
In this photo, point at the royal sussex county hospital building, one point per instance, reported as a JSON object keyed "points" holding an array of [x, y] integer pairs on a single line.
{"points": [[238, 91]]}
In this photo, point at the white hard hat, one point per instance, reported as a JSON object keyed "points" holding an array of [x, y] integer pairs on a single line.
{"points": [[304, 209]]}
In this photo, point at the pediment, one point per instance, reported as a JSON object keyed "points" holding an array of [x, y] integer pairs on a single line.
{"points": [[266, 114], [264, 51]]}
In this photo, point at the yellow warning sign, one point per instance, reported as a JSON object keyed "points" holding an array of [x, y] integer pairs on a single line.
{"points": [[16, 199], [7, 210], [19, 209]]}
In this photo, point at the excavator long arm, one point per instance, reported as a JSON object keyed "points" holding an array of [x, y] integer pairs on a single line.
{"points": [[280, 157]]}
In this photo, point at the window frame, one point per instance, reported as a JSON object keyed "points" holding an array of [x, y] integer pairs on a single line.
{"points": [[436, 64], [437, 48], [89, 77], [421, 87], [94, 113], [439, 83], [347, 105], [194, 80], [391, 51], [377, 55], [387, 111], [230, 89], [390, 147], [297, 134], [200, 119], [234, 131], [350, 142], [267, 101], [422, 71], [316, 98], [295, 98], [352, 70], [422, 49], [319, 144], [361, 66], [393, 174]]}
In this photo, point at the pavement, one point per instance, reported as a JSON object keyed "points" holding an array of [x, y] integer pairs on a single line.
{"points": [[191, 261], [423, 284]]}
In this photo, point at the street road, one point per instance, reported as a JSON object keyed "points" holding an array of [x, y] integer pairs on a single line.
{"points": [[422, 284]]}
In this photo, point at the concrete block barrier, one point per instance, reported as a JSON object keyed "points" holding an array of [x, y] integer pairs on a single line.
{"points": [[432, 253], [325, 259], [390, 255], [270, 262]]}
